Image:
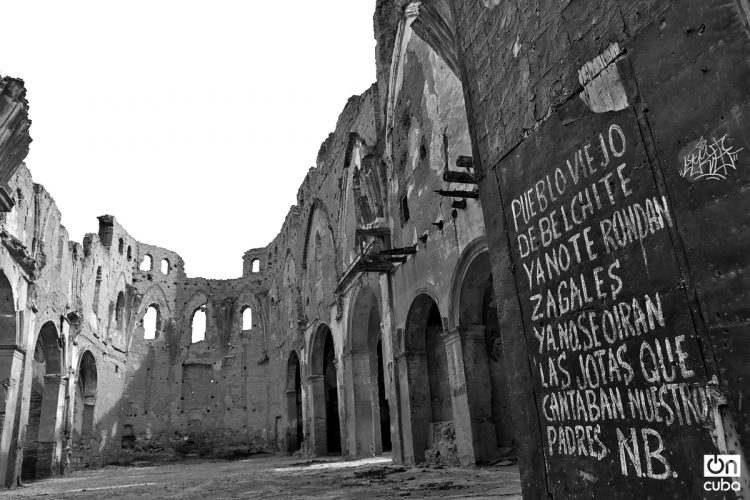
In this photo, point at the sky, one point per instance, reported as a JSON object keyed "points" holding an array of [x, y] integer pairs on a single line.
{"points": [[193, 123]]}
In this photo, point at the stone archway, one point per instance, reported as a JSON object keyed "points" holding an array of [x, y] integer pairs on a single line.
{"points": [[369, 430], [84, 413], [427, 409], [42, 446], [479, 385], [477, 311], [293, 395], [326, 431], [11, 366]]}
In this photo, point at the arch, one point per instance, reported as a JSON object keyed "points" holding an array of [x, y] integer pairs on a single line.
{"points": [[147, 264], [10, 365], [429, 404], [198, 324], [84, 410], [326, 432], [316, 205], [247, 317], [475, 311], [87, 373], [165, 266], [49, 340], [423, 305], [151, 322], [120, 311], [293, 397], [469, 254], [8, 333], [155, 297], [43, 441], [369, 430]]}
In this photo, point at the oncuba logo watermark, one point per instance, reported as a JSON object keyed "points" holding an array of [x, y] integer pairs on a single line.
{"points": [[721, 469]]}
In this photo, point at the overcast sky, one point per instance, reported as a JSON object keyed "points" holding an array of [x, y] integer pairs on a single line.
{"points": [[193, 123]]}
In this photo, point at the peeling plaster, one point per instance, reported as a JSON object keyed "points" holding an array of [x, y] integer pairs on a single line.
{"points": [[603, 89]]}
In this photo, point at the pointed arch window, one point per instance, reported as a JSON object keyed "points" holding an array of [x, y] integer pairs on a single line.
{"points": [[247, 318], [198, 325], [120, 310], [151, 322]]}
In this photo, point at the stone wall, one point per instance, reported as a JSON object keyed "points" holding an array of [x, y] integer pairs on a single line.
{"points": [[641, 109]]}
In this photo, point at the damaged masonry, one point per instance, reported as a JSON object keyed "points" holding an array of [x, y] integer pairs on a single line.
{"points": [[526, 240]]}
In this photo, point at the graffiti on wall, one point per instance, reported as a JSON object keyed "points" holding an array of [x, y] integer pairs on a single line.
{"points": [[710, 160], [618, 367]]}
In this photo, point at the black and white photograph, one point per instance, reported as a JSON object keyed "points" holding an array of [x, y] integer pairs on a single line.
{"points": [[375, 249]]}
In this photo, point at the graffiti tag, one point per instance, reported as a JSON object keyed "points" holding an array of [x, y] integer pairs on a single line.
{"points": [[710, 160]]}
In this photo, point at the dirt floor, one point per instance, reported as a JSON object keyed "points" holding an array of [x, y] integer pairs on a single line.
{"points": [[279, 477]]}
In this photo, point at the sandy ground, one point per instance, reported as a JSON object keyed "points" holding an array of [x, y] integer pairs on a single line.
{"points": [[279, 477]]}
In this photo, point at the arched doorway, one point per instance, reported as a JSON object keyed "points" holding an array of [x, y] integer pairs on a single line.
{"points": [[83, 412], [429, 407], [477, 312], [42, 445], [369, 431], [326, 432], [294, 433], [11, 365]]}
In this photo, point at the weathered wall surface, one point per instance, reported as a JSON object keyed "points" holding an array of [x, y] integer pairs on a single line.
{"points": [[612, 139], [364, 337], [15, 138], [609, 143]]}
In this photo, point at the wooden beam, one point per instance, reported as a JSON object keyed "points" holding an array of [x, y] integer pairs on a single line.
{"points": [[457, 193], [462, 177]]}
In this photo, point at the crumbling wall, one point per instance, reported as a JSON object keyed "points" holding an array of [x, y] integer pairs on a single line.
{"points": [[14, 134], [643, 101]]}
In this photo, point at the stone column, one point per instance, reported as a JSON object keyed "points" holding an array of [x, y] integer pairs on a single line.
{"points": [[11, 364], [50, 426], [393, 389], [416, 411], [88, 434], [290, 401], [318, 444], [471, 393], [361, 427]]}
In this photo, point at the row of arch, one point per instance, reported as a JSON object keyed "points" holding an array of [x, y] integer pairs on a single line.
{"points": [[152, 322], [42, 446], [198, 322], [147, 264], [432, 392]]}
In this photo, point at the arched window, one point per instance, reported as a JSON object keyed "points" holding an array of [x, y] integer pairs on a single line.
{"points": [[256, 266], [147, 263], [97, 289], [247, 318], [121, 246], [120, 310], [151, 322], [198, 325], [164, 266], [130, 252]]}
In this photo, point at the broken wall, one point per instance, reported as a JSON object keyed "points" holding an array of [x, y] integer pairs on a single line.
{"points": [[620, 126]]}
